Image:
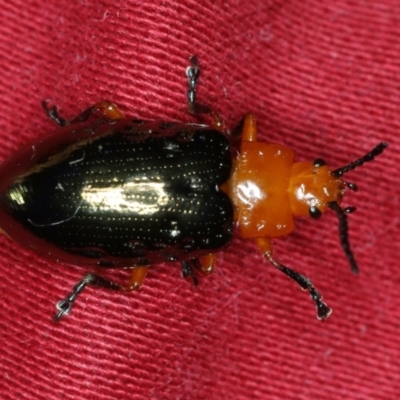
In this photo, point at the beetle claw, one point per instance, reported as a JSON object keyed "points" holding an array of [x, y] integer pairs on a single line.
{"points": [[64, 308], [323, 311]]}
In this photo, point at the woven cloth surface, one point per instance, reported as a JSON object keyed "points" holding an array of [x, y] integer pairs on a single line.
{"points": [[322, 77]]}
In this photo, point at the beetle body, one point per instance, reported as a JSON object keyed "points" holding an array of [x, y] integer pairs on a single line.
{"points": [[111, 192], [119, 193]]}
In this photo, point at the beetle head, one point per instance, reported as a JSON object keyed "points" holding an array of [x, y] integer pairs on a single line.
{"points": [[313, 189]]}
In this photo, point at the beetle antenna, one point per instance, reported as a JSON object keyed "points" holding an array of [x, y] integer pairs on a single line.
{"points": [[323, 311], [344, 234], [357, 163]]}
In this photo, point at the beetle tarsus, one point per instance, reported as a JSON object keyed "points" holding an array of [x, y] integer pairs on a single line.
{"points": [[323, 311], [52, 112], [188, 270], [194, 107], [193, 74], [64, 306]]}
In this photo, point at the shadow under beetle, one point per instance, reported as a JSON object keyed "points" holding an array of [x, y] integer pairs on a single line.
{"points": [[113, 192]]}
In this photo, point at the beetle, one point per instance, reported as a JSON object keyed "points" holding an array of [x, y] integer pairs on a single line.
{"points": [[112, 192]]}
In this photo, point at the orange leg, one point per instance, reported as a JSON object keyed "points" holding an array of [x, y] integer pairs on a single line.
{"points": [[102, 110], [207, 264], [265, 246], [136, 280], [246, 129], [249, 132], [203, 264]]}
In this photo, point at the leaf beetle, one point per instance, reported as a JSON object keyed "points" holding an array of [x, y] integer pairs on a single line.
{"points": [[113, 192]]}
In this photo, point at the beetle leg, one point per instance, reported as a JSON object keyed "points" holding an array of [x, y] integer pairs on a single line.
{"points": [[187, 270], [249, 132], [194, 107], [102, 110], [52, 113], [135, 282], [265, 246], [65, 305], [246, 129], [203, 264], [137, 277], [206, 264]]}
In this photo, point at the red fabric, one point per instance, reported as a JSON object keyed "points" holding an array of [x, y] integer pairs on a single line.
{"points": [[323, 78]]}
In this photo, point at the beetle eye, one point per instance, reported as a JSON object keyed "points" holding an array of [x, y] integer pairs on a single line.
{"points": [[351, 185], [314, 212], [319, 162]]}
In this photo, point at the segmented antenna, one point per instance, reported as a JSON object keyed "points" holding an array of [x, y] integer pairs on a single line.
{"points": [[344, 234], [337, 173], [341, 212]]}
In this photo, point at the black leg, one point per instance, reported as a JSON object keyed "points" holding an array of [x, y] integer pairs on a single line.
{"points": [[187, 270], [323, 311], [194, 107], [65, 305], [193, 74], [52, 113], [104, 110]]}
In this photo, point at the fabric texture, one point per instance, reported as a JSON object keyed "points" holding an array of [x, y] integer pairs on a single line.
{"points": [[322, 77]]}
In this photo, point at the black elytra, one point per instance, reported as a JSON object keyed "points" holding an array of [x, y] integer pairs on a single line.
{"points": [[125, 194]]}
